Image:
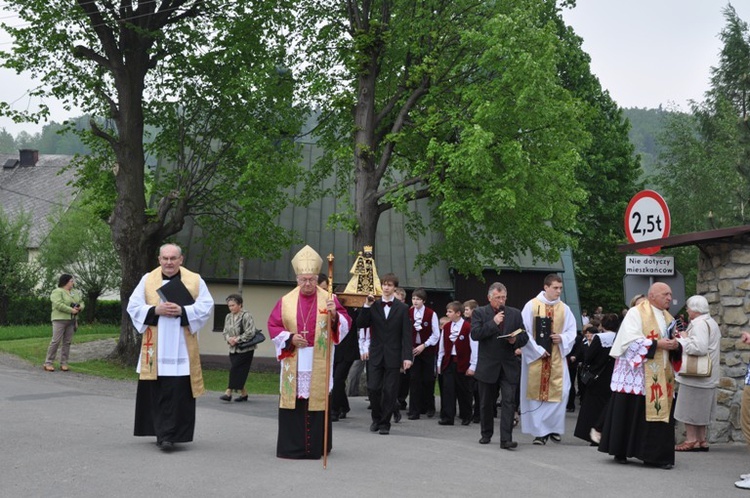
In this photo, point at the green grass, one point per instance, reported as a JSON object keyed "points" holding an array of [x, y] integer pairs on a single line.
{"points": [[30, 343]]}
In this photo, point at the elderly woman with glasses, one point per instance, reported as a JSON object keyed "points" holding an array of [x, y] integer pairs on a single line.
{"points": [[696, 399]]}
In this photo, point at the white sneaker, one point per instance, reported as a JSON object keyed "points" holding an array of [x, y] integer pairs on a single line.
{"points": [[596, 437], [745, 477], [744, 484]]}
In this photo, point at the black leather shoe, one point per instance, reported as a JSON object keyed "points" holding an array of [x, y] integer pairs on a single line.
{"points": [[226, 397], [484, 440], [413, 416], [508, 445], [165, 446], [430, 413], [384, 431], [374, 427], [445, 422], [342, 415], [240, 399], [466, 421], [396, 416], [475, 419], [621, 460], [334, 417]]}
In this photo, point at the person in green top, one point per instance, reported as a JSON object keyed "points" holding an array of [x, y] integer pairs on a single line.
{"points": [[65, 308]]}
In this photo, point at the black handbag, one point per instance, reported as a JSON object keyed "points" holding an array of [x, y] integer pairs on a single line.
{"points": [[587, 376], [253, 341]]}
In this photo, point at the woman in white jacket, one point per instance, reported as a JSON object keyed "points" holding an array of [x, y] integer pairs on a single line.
{"points": [[696, 399]]}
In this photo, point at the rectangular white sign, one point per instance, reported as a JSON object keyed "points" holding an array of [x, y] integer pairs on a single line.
{"points": [[649, 265]]}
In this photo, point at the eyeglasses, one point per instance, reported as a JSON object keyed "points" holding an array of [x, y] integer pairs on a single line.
{"points": [[311, 280]]}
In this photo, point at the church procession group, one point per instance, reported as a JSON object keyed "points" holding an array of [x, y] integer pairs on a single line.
{"points": [[493, 361]]}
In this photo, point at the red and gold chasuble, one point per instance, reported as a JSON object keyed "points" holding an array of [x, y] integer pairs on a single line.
{"points": [[658, 374], [545, 381], [318, 382], [149, 370]]}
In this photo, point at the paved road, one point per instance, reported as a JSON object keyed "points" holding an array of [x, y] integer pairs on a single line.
{"points": [[66, 434]]}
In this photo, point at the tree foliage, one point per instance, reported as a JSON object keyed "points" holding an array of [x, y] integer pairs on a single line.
{"points": [[17, 277], [609, 172], [80, 244], [705, 163], [208, 77], [456, 102]]}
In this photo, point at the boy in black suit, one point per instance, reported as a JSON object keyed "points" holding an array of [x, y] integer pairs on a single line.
{"points": [[497, 362], [390, 350]]}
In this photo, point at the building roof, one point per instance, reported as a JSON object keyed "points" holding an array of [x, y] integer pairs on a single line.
{"points": [[36, 189], [688, 239], [394, 251]]}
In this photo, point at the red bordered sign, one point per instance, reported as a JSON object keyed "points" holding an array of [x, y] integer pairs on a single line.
{"points": [[647, 218]]}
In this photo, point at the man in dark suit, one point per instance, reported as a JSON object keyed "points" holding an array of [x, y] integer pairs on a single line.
{"points": [[497, 362], [390, 350]]}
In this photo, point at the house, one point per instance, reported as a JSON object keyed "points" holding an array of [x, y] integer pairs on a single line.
{"points": [[35, 184]]}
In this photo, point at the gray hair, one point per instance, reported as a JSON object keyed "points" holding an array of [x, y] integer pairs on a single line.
{"points": [[699, 304], [497, 286]]}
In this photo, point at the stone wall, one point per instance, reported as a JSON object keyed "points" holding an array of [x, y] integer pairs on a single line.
{"points": [[724, 280]]}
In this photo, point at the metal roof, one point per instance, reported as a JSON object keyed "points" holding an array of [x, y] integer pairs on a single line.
{"points": [[688, 239]]}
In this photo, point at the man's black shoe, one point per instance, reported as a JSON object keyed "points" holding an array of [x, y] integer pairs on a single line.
{"points": [[484, 440], [334, 417], [397, 416], [475, 419], [166, 446], [384, 432], [465, 421], [508, 445], [413, 416], [430, 413], [374, 427], [445, 422]]}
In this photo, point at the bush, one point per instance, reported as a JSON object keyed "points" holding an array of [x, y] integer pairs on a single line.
{"points": [[36, 311]]}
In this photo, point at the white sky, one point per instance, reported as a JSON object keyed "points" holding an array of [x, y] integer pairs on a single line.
{"points": [[645, 52]]}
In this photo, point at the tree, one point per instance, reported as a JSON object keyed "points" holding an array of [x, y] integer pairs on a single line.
{"points": [[138, 63], [609, 171], [7, 144], [708, 150], [16, 274], [81, 244], [456, 102]]}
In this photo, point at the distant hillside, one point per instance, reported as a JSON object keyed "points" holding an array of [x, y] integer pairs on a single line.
{"points": [[645, 127]]}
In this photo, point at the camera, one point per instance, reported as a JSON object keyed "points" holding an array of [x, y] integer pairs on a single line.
{"points": [[75, 305]]}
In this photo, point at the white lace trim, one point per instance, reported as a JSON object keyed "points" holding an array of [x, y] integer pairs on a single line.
{"points": [[628, 375], [303, 384]]}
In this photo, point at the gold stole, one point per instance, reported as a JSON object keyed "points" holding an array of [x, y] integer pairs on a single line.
{"points": [[318, 382], [545, 382], [658, 374], [149, 370]]}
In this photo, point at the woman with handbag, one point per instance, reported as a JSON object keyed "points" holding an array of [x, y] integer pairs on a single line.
{"points": [[239, 328], [699, 375], [596, 374]]}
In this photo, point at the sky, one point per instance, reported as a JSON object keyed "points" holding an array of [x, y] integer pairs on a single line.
{"points": [[645, 52]]}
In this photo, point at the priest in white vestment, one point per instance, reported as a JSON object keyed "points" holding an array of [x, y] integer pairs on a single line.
{"points": [[170, 376]]}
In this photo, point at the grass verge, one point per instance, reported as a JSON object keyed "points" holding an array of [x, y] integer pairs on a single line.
{"points": [[30, 343]]}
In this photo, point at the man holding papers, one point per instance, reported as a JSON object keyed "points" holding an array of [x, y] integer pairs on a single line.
{"points": [[168, 307], [492, 326]]}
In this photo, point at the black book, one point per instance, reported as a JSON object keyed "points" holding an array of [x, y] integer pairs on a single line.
{"points": [[543, 332], [175, 292]]}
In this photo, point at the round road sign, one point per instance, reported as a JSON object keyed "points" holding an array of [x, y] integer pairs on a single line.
{"points": [[647, 218]]}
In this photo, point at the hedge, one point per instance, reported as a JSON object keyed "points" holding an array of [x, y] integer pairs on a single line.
{"points": [[36, 311]]}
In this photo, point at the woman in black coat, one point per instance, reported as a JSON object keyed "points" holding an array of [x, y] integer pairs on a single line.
{"points": [[597, 366]]}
